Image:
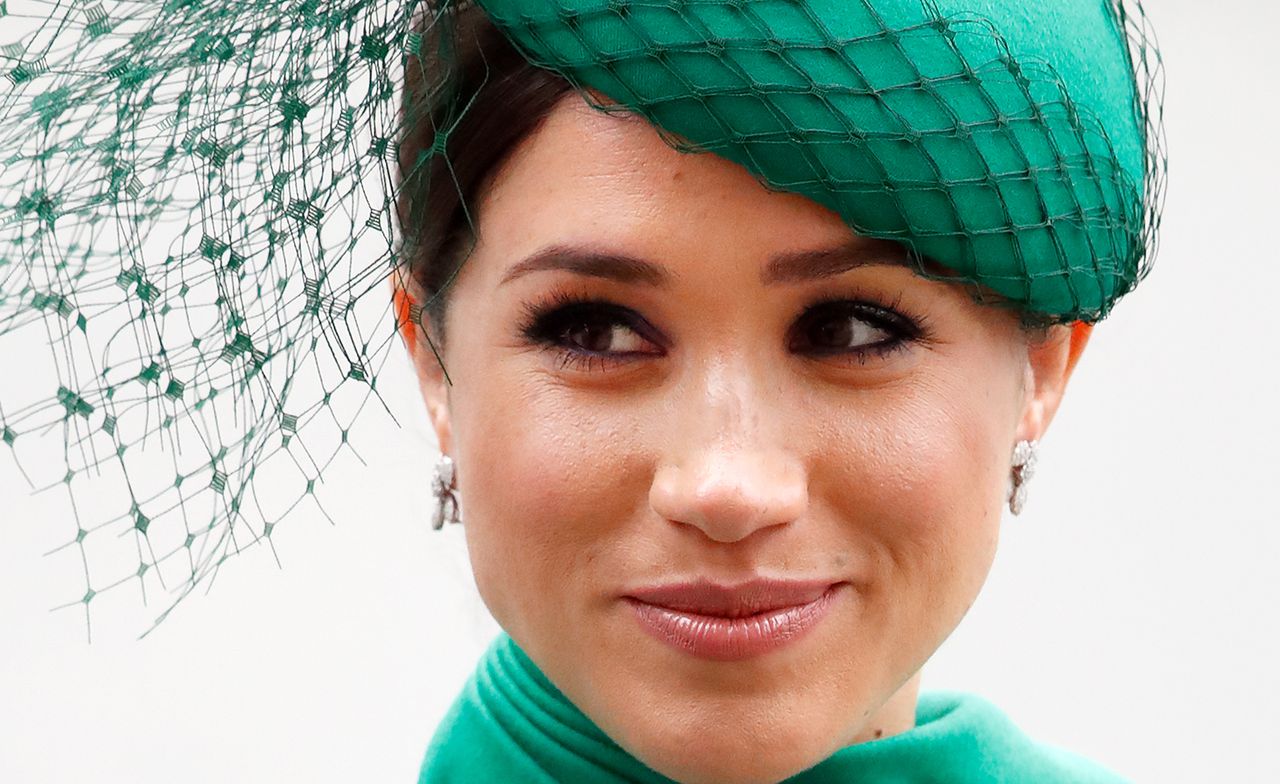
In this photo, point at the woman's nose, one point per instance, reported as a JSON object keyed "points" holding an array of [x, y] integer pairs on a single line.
{"points": [[732, 465], [729, 493]]}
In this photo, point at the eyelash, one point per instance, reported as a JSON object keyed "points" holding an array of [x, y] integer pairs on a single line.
{"points": [[545, 323]]}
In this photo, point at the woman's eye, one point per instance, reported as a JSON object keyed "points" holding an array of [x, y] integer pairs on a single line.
{"points": [[600, 334], [859, 329], [842, 334], [588, 334], [596, 334]]}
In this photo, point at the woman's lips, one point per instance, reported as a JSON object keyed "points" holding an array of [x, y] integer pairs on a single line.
{"points": [[731, 634]]}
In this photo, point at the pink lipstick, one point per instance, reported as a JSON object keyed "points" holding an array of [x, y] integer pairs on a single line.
{"points": [[730, 623]]}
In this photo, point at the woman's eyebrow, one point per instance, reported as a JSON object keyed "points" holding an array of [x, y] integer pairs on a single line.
{"points": [[786, 268]]}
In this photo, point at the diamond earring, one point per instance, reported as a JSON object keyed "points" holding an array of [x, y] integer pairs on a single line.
{"points": [[443, 488], [1023, 466]]}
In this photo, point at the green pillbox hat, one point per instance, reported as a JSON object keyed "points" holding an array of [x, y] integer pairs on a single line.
{"points": [[1002, 139]]}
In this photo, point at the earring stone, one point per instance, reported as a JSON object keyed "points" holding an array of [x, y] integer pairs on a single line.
{"points": [[442, 487], [1022, 468]]}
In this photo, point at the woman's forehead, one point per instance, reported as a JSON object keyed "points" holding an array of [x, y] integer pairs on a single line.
{"points": [[591, 191], [590, 176]]}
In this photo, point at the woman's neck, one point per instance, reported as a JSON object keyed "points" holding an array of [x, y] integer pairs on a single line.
{"points": [[895, 716]]}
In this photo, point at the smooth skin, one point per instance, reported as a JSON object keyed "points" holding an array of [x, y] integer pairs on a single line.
{"points": [[710, 441]]}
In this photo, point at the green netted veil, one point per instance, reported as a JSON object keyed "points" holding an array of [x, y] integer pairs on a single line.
{"points": [[198, 205]]}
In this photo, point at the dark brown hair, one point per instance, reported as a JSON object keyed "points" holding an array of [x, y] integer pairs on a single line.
{"points": [[470, 97]]}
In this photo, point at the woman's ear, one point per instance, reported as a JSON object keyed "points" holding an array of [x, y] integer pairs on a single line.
{"points": [[426, 363], [1051, 358]]}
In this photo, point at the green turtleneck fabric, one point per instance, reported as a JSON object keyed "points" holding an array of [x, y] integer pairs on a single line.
{"points": [[511, 724]]}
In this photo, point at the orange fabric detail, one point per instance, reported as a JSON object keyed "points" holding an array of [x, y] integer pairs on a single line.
{"points": [[403, 302], [1080, 332]]}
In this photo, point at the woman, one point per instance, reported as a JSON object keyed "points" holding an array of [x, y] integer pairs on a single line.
{"points": [[738, 324], [749, 464]]}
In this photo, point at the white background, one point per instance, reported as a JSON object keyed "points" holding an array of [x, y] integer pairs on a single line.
{"points": [[1130, 616]]}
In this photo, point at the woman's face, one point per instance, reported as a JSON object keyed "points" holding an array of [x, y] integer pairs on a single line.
{"points": [[756, 393]]}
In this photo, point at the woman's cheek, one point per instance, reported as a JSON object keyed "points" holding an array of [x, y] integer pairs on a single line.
{"points": [[540, 498], [917, 500]]}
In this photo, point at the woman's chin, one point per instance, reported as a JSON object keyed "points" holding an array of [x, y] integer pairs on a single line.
{"points": [[699, 736], [721, 759]]}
